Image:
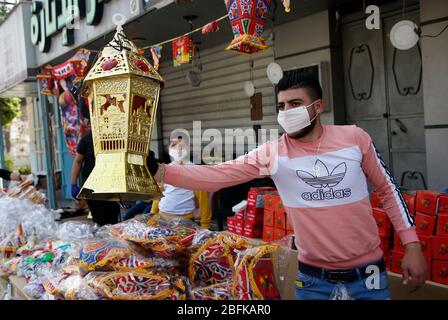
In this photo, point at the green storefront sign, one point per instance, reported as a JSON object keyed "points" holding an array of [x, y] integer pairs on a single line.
{"points": [[52, 16]]}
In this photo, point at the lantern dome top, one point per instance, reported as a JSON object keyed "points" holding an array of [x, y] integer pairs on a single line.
{"points": [[120, 57]]}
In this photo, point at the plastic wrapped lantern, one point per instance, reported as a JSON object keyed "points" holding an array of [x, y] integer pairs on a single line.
{"points": [[247, 18], [123, 92], [47, 82]]}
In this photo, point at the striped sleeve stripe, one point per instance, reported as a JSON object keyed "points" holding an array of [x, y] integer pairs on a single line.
{"points": [[401, 203]]}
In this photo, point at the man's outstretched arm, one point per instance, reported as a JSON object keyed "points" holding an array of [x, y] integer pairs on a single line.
{"points": [[254, 165]]}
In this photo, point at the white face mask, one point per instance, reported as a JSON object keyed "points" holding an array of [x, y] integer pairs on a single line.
{"points": [[295, 119], [178, 154]]}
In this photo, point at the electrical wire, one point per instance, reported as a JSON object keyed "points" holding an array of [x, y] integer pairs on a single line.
{"points": [[178, 37], [184, 35], [435, 36]]}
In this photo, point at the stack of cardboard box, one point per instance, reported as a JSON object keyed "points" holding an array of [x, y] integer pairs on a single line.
{"points": [[276, 224], [249, 221], [430, 212]]}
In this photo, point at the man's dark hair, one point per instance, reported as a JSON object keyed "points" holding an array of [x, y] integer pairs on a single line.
{"points": [[295, 79]]}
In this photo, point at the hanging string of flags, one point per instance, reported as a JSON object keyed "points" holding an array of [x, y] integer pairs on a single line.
{"points": [[247, 19]]}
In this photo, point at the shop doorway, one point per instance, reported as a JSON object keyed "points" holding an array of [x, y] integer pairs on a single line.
{"points": [[383, 93]]}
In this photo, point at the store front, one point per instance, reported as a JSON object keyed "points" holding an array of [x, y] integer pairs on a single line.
{"points": [[366, 81], [396, 96]]}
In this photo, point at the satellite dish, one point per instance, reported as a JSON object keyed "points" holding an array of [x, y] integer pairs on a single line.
{"points": [[194, 78], [403, 35], [275, 73], [249, 88]]}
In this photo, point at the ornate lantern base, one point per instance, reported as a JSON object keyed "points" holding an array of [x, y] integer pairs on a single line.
{"points": [[120, 177], [248, 44]]}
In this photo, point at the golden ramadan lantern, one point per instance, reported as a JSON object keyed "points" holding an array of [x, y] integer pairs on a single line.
{"points": [[123, 92]]}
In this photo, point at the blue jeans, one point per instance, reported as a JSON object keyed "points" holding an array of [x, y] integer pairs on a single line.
{"points": [[139, 208], [314, 288]]}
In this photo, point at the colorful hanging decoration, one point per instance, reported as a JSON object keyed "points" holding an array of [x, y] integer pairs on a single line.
{"points": [[156, 52], [74, 121], [219, 291], [210, 27], [182, 51], [64, 70], [60, 81], [98, 254], [287, 5], [254, 276], [247, 18], [214, 261], [47, 82], [139, 285]]}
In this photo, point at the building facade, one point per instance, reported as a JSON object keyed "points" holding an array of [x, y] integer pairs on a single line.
{"points": [[397, 96]]}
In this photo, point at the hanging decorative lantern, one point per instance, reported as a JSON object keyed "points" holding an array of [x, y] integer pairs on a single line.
{"points": [[123, 92], [47, 82], [247, 18]]}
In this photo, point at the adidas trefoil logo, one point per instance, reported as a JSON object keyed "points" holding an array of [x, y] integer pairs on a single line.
{"points": [[321, 178]]}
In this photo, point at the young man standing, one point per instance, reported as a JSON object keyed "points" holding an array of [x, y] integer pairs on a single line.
{"points": [[321, 173]]}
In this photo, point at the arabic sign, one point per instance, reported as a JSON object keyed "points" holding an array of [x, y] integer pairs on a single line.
{"points": [[50, 17]]}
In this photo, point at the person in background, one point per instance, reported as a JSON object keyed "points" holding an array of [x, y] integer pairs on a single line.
{"points": [[140, 207], [10, 176], [178, 202], [103, 212], [321, 173]]}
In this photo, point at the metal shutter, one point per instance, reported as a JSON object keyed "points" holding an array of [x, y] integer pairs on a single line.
{"points": [[220, 101]]}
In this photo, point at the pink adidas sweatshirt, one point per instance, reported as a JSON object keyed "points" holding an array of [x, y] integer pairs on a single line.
{"points": [[325, 195]]}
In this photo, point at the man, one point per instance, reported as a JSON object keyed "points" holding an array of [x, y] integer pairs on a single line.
{"points": [[103, 212], [321, 174]]}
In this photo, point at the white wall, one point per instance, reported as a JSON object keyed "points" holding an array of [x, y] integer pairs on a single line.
{"points": [[435, 88]]}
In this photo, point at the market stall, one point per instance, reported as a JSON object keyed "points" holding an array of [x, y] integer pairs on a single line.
{"points": [[151, 257], [144, 258]]}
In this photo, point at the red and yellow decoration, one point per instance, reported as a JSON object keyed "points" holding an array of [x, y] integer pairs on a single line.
{"points": [[182, 51], [47, 82], [247, 18], [254, 276]]}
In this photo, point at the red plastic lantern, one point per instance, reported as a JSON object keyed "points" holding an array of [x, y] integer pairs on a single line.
{"points": [[47, 82], [248, 18]]}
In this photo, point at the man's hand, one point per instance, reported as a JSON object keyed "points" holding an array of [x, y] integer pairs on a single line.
{"points": [[414, 266], [75, 191]]}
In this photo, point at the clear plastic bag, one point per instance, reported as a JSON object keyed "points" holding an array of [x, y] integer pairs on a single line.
{"points": [[35, 289], [35, 218], [220, 291], [76, 230], [100, 255], [76, 288], [254, 277], [202, 237], [137, 285]]}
